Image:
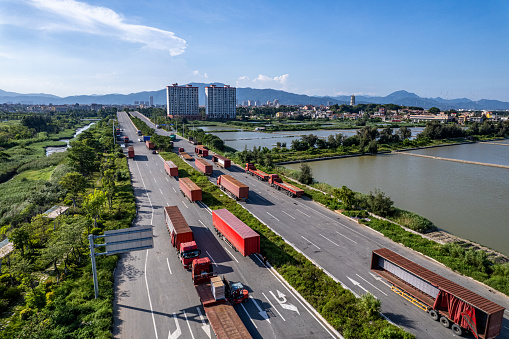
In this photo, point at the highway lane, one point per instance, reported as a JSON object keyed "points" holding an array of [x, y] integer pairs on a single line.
{"points": [[343, 248], [271, 312]]}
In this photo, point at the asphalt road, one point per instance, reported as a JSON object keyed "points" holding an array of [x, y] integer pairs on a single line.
{"points": [[343, 248], [154, 294]]}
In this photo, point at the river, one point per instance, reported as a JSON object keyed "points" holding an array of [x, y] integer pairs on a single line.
{"points": [[51, 150]]}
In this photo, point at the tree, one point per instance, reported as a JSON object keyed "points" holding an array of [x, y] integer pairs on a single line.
{"points": [[369, 305], [75, 184], [346, 195], [380, 204], [305, 176], [434, 110], [20, 239], [404, 133], [93, 204], [82, 158], [373, 147], [108, 181]]}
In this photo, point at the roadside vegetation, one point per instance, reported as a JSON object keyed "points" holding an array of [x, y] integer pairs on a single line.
{"points": [[46, 287]]}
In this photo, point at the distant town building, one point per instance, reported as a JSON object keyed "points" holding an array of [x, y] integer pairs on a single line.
{"points": [[276, 102], [250, 103], [151, 100], [220, 102], [182, 101], [137, 102], [352, 100], [257, 103]]}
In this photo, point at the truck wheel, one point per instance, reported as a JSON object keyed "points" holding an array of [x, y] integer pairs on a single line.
{"points": [[433, 314], [444, 321], [457, 330]]}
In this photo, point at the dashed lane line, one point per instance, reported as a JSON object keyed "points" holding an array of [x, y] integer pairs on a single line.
{"points": [[188, 325], [249, 316], [273, 306], [346, 237], [231, 254], [323, 236], [169, 268], [371, 284], [310, 242], [213, 261], [273, 216], [291, 216]]}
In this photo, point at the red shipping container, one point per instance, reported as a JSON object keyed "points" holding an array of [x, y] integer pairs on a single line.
{"points": [[171, 168], [241, 236], [235, 187], [221, 161], [204, 166], [130, 152], [149, 144], [190, 189], [201, 151], [177, 226]]}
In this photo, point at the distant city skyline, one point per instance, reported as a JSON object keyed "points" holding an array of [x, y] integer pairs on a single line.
{"points": [[448, 49]]}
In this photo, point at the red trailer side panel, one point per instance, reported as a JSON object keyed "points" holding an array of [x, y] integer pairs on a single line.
{"points": [[130, 152], [149, 144], [178, 228], [186, 156], [201, 151], [171, 168], [204, 166], [241, 236], [221, 161], [190, 189], [240, 190]]}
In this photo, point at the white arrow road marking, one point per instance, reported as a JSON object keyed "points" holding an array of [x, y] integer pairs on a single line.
{"points": [[168, 265], [291, 216], [273, 306], [273, 216], [249, 316], [356, 283], [284, 304], [211, 258], [262, 312], [371, 284], [376, 277], [188, 325], [177, 332], [309, 242], [282, 296], [205, 327]]}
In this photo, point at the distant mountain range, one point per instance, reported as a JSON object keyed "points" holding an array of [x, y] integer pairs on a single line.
{"points": [[262, 95]]}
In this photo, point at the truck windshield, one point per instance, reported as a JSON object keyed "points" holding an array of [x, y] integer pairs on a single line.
{"points": [[190, 254]]}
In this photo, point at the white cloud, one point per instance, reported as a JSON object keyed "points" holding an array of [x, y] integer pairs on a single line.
{"points": [[263, 81], [197, 73], [79, 16]]}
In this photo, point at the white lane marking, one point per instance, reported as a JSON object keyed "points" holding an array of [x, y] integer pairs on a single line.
{"points": [[272, 216], [273, 306], [148, 293], [204, 326], [202, 223], [356, 283], [371, 284], [177, 332], [174, 189], [146, 164], [259, 196], [249, 316], [261, 312], [188, 325], [168, 262], [155, 180], [161, 191], [167, 179], [291, 216], [284, 303], [211, 258], [145, 187], [323, 236], [184, 203], [150, 171], [346, 237], [230, 254], [307, 215], [507, 328], [309, 242], [379, 278]]}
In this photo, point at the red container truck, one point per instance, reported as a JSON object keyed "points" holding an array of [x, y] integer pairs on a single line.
{"points": [[149, 144], [260, 175], [204, 166], [126, 140], [444, 300], [288, 189], [189, 189], [235, 232], [130, 152], [201, 151], [182, 237], [221, 161], [233, 187], [186, 156], [171, 169]]}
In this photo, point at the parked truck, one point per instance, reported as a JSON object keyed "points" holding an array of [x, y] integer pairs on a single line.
{"points": [[201, 151], [171, 169], [182, 237], [444, 300], [117, 132], [237, 234], [126, 139], [233, 187], [260, 175], [189, 189], [186, 156], [130, 152], [139, 132], [219, 160], [146, 137], [149, 144], [204, 166], [223, 318], [173, 137], [293, 191]]}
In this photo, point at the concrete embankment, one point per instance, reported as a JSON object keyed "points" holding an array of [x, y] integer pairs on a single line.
{"points": [[454, 160]]}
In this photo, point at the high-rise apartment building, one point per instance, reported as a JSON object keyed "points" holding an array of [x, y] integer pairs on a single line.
{"points": [[220, 102], [352, 100], [151, 100], [182, 101]]}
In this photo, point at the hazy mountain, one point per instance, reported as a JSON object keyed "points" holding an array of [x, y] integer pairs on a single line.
{"points": [[262, 95]]}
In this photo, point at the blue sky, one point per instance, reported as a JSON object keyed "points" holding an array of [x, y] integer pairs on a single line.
{"points": [[450, 49]]}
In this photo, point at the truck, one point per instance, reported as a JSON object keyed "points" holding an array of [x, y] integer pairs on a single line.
{"points": [[171, 169], [219, 160], [204, 166], [288, 189], [117, 132], [149, 144], [223, 318], [260, 175], [186, 156], [126, 139], [139, 132], [130, 152], [237, 234], [233, 187], [181, 149], [453, 305], [173, 137], [189, 189], [182, 237], [201, 151], [146, 137]]}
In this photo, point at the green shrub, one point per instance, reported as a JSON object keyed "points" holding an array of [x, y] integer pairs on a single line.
{"points": [[35, 299], [25, 313]]}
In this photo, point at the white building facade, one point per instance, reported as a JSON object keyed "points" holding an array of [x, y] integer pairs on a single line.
{"points": [[182, 101], [220, 102]]}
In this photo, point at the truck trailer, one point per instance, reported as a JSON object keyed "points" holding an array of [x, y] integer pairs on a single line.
{"points": [[444, 300], [288, 189], [219, 160], [260, 175], [186, 156], [149, 144], [171, 169], [240, 236], [233, 187], [146, 137], [204, 166], [182, 237], [189, 189], [126, 139], [201, 151], [130, 152]]}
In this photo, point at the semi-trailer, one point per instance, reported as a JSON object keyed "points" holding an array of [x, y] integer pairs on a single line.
{"points": [[204, 166], [260, 175], [221, 161], [223, 318], [130, 152], [288, 189], [182, 237], [146, 137], [189, 189], [171, 169], [240, 236], [233, 187], [444, 300], [186, 156], [149, 144], [126, 139], [201, 151]]}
